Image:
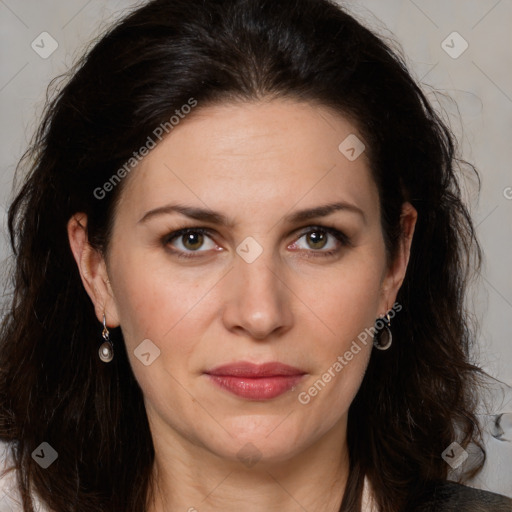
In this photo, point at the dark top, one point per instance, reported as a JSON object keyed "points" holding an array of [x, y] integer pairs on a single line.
{"points": [[452, 497]]}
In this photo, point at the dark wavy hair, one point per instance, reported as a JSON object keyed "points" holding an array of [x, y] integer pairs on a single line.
{"points": [[415, 399]]}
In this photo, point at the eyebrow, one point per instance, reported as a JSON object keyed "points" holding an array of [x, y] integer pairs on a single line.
{"points": [[207, 215]]}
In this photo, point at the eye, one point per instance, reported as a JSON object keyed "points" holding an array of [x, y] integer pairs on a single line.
{"points": [[188, 241], [322, 240]]}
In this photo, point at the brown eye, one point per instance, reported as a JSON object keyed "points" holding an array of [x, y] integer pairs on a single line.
{"points": [[193, 240], [317, 239], [187, 241], [322, 241]]}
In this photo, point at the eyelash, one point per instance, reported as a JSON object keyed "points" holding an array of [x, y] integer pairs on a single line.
{"points": [[341, 237]]}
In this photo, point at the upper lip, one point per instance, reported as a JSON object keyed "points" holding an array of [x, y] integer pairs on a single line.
{"points": [[246, 369]]}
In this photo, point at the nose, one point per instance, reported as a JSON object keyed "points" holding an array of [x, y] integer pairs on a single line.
{"points": [[257, 298]]}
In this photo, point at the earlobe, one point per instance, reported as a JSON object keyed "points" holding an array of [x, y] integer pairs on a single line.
{"points": [[93, 271]]}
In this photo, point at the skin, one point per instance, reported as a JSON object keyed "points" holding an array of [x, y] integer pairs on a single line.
{"points": [[255, 163]]}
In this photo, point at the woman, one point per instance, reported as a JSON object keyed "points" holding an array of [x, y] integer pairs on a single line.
{"points": [[241, 261]]}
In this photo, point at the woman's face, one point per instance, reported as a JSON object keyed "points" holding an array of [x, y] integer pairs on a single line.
{"points": [[264, 282]]}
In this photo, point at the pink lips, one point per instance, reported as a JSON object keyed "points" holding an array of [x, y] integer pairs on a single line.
{"points": [[256, 382]]}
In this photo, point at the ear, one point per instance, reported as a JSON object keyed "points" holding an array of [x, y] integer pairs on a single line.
{"points": [[93, 270], [395, 274]]}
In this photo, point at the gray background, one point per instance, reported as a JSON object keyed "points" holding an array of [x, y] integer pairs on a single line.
{"points": [[474, 92]]}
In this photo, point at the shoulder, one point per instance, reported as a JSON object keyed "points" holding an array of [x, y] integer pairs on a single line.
{"points": [[450, 496]]}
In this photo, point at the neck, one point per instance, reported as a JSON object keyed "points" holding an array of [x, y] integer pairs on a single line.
{"points": [[188, 477]]}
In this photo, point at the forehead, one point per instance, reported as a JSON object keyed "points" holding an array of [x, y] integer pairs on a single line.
{"points": [[278, 151]]}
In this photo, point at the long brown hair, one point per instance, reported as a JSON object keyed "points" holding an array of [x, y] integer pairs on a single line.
{"points": [[415, 399]]}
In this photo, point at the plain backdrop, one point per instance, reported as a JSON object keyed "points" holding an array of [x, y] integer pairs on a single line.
{"points": [[460, 48]]}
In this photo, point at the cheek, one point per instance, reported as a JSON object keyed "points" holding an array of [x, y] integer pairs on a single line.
{"points": [[151, 300], [342, 356], [345, 301], [153, 305], [346, 305]]}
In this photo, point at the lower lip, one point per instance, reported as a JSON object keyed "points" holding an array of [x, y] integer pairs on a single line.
{"points": [[259, 388]]}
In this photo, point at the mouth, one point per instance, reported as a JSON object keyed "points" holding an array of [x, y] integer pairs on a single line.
{"points": [[256, 382]]}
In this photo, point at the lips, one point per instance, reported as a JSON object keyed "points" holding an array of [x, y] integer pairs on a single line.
{"points": [[243, 369], [256, 382]]}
